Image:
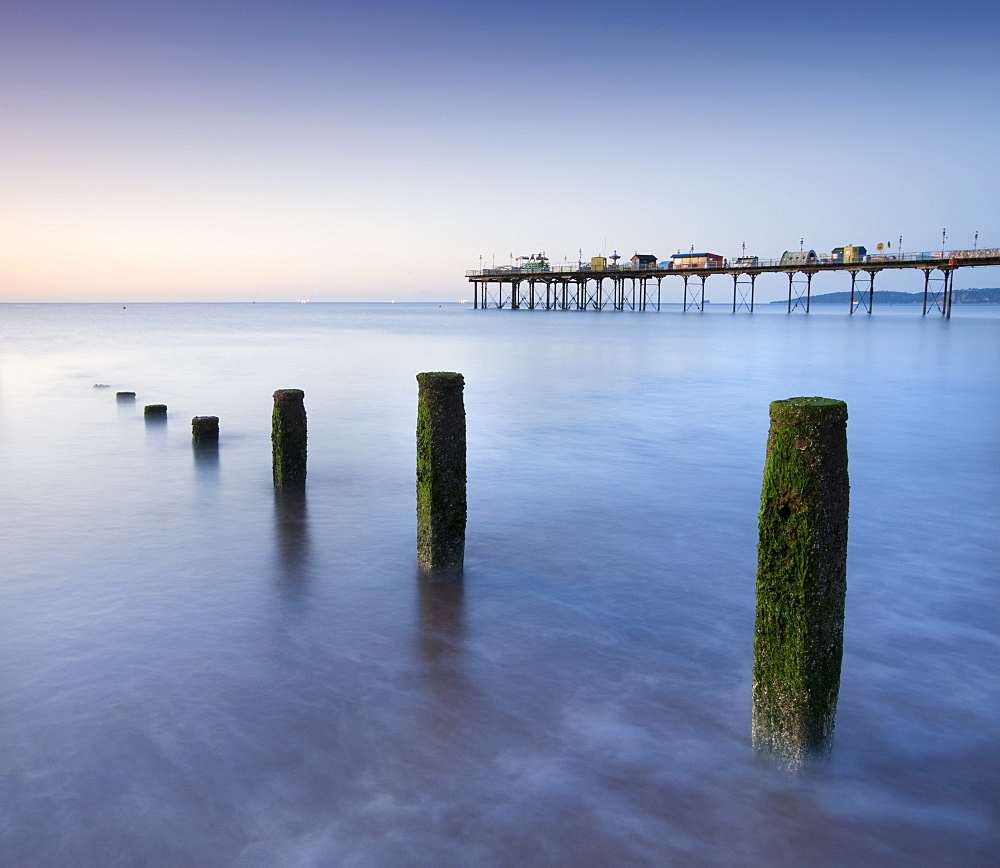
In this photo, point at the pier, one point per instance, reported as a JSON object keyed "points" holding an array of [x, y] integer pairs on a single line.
{"points": [[641, 287]]}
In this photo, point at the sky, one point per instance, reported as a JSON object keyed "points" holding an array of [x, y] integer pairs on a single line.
{"points": [[233, 150]]}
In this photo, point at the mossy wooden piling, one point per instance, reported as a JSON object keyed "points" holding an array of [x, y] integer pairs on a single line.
{"points": [[801, 580], [205, 429], [156, 412], [441, 457], [288, 438], [124, 396]]}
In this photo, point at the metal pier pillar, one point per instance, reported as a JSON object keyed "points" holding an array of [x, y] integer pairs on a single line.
{"points": [[599, 281], [593, 299], [799, 295], [488, 295], [695, 295], [940, 296], [628, 298], [744, 288], [644, 301], [862, 288]]}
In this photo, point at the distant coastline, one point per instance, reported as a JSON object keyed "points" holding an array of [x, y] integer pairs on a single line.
{"points": [[886, 296]]}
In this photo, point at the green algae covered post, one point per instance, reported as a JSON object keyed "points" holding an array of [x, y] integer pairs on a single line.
{"points": [[801, 580], [441, 498], [288, 438], [155, 411], [205, 429]]}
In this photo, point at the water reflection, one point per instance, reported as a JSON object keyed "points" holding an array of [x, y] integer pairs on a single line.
{"points": [[291, 529], [125, 401], [206, 459], [442, 615], [441, 632]]}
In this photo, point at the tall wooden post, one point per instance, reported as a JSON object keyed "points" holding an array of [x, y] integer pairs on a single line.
{"points": [[801, 580], [288, 438], [441, 497]]}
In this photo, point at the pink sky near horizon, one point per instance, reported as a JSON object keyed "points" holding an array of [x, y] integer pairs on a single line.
{"points": [[223, 151]]}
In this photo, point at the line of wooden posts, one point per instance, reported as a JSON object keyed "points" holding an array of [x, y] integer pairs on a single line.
{"points": [[802, 547]]}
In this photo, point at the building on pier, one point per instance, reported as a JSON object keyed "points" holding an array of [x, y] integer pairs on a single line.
{"points": [[696, 260], [643, 260]]}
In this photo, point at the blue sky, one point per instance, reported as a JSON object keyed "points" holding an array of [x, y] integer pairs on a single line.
{"points": [[346, 151]]}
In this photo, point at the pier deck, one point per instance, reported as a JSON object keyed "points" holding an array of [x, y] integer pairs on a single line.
{"points": [[577, 287]]}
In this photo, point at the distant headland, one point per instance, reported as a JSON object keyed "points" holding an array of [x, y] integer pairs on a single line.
{"points": [[887, 296]]}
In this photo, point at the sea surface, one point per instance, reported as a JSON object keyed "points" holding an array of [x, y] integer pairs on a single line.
{"points": [[195, 672]]}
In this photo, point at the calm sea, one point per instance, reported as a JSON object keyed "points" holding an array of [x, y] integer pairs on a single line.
{"points": [[193, 673]]}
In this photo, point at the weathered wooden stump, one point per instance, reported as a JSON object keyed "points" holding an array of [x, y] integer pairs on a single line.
{"points": [[155, 411], [205, 429], [288, 438], [801, 580], [124, 396], [441, 496]]}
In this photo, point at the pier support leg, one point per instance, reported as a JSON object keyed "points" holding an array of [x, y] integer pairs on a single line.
{"points": [[694, 296], [288, 439], [801, 580], [860, 294], [742, 293], [938, 298], [441, 497], [799, 296]]}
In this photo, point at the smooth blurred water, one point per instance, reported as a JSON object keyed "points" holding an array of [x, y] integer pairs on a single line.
{"points": [[193, 672]]}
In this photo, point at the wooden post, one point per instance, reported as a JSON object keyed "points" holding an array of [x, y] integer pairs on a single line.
{"points": [[205, 429], [288, 438], [441, 497], [801, 580], [156, 412], [125, 396]]}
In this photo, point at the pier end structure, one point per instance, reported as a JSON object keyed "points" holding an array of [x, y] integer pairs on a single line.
{"points": [[441, 471], [801, 581], [288, 439]]}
